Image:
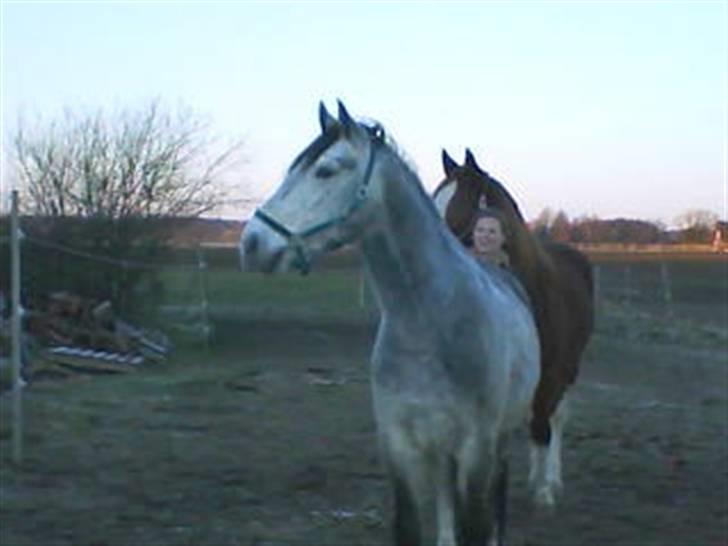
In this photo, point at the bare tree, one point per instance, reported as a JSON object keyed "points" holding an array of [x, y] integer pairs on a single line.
{"points": [[145, 163], [696, 225], [696, 218], [100, 180], [560, 229], [542, 223]]}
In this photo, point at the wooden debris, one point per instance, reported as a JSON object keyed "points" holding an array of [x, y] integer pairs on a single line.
{"points": [[86, 335]]}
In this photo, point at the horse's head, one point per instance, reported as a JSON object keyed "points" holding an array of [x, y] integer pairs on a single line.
{"points": [[321, 203], [466, 189]]}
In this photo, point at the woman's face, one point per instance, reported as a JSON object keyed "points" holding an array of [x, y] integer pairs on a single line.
{"points": [[488, 235]]}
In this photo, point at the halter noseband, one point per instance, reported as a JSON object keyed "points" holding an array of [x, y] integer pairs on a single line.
{"points": [[298, 240]]}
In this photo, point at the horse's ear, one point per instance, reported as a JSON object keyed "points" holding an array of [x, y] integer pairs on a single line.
{"points": [[448, 163], [344, 118], [325, 119], [470, 160]]}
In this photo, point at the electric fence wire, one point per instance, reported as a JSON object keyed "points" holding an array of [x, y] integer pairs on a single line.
{"points": [[102, 259]]}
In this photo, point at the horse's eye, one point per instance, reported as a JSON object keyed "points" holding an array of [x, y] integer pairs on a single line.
{"points": [[324, 171]]}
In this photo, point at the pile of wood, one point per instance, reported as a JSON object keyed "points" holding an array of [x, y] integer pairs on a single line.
{"points": [[82, 334]]}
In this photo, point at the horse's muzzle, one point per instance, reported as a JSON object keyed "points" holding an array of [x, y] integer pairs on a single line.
{"points": [[261, 249]]}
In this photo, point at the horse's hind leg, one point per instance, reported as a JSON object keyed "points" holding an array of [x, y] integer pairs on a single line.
{"points": [[545, 474], [553, 458]]}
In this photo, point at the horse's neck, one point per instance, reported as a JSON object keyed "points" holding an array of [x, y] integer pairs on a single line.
{"points": [[526, 252], [504, 200], [531, 262], [408, 251]]}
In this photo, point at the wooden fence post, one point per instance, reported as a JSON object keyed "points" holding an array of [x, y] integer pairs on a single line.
{"points": [[16, 331]]}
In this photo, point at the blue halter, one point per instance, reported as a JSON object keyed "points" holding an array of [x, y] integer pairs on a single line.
{"points": [[298, 240]]}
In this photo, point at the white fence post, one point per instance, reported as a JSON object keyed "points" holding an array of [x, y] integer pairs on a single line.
{"points": [[666, 288], [597, 280], [204, 311], [628, 284], [16, 331]]}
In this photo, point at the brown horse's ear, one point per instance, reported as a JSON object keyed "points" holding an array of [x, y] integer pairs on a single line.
{"points": [[326, 120], [448, 163], [470, 160]]}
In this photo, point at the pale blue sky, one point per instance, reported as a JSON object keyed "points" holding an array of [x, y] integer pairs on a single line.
{"points": [[607, 108]]}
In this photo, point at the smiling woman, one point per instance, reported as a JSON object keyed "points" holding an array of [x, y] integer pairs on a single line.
{"points": [[490, 237]]}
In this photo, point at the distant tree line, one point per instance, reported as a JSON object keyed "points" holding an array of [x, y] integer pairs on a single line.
{"points": [[694, 227]]}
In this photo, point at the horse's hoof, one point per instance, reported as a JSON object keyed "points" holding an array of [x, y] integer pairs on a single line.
{"points": [[545, 497], [556, 486]]}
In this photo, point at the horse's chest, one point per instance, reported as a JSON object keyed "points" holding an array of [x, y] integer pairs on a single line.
{"points": [[422, 421], [430, 362]]}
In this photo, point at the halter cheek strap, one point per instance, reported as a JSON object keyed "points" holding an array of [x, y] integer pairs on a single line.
{"points": [[297, 240]]}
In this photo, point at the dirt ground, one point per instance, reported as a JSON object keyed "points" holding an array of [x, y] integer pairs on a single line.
{"points": [[271, 442]]}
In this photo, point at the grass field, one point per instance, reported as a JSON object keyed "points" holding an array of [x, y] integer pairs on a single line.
{"points": [[267, 438]]}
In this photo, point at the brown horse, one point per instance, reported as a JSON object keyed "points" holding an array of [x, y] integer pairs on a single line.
{"points": [[557, 277]]}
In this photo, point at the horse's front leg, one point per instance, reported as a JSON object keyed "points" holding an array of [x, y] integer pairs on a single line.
{"points": [[402, 469], [406, 526], [500, 501], [476, 488]]}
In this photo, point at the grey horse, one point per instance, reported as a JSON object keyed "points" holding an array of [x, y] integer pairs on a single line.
{"points": [[456, 357]]}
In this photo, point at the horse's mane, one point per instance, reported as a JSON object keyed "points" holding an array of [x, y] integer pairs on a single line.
{"points": [[503, 196], [406, 165], [376, 130], [528, 250], [319, 145]]}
